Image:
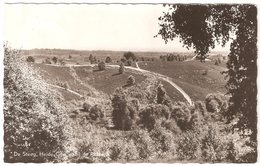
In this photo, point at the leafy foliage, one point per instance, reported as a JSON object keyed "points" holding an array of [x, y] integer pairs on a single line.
{"points": [[35, 120], [30, 59]]}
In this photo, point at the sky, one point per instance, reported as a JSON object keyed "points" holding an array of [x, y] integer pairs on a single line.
{"points": [[87, 27]]}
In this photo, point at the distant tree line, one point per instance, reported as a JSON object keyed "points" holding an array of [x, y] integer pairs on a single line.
{"points": [[173, 57]]}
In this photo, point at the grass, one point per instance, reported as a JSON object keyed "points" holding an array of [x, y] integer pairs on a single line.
{"points": [[195, 78], [107, 80]]}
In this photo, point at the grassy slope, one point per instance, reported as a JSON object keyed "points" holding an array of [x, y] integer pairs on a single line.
{"points": [[189, 76], [106, 81]]}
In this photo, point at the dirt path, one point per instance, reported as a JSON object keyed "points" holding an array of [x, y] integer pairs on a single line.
{"points": [[66, 90]]}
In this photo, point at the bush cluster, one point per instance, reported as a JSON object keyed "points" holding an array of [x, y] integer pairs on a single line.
{"points": [[34, 118]]}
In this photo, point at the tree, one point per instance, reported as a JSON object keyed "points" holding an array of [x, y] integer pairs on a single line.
{"points": [[101, 65], [30, 59], [55, 59], [108, 60], [129, 55], [122, 68], [199, 26], [70, 56]]}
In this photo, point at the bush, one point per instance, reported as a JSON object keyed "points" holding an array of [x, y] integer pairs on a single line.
{"points": [[108, 60], [124, 112], [62, 62], [35, 119], [181, 116], [151, 113], [130, 80], [129, 62], [101, 65], [30, 59], [215, 104], [55, 59], [96, 112], [86, 107], [122, 68], [162, 97], [123, 60], [47, 61]]}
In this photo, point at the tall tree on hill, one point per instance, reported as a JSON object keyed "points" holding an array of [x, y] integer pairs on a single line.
{"points": [[199, 26]]}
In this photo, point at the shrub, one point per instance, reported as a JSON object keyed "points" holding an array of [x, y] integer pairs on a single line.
{"points": [[96, 112], [144, 144], [162, 97], [215, 104], [129, 62], [123, 60], [216, 62], [86, 107], [47, 61], [55, 59], [30, 59], [122, 68], [151, 113], [130, 80], [181, 116], [108, 60], [101, 65], [35, 119], [171, 125], [124, 113], [62, 62]]}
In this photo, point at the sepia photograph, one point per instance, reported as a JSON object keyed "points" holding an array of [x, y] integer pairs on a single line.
{"points": [[130, 82]]}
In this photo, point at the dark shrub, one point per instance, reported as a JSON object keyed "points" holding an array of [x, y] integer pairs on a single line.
{"points": [[171, 125], [123, 60], [96, 112], [86, 107], [151, 113], [125, 113], [182, 116], [47, 61], [108, 60], [130, 80], [101, 65], [122, 68], [129, 62], [162, 97], [30, 59], [55, 59]]}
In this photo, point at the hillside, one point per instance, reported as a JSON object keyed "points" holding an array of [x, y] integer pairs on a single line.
{"points": [[195, 78]]}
